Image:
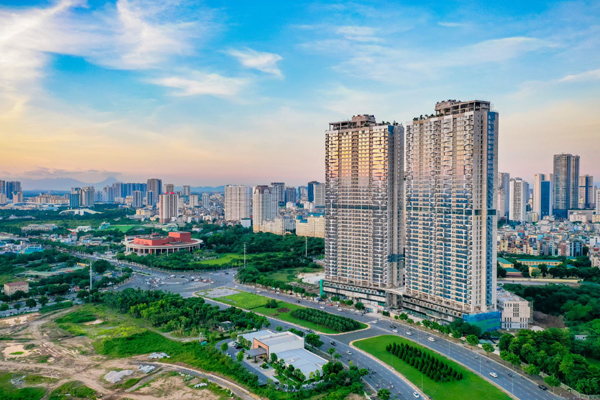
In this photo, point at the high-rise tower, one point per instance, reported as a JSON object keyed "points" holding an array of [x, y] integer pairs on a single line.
{"points": [[364, 170], [451, 186], [519, 196], [566, 184], [542, 195], [238, 201]]}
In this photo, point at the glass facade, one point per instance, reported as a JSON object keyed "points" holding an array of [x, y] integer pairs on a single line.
{"points": [[451, 182]]}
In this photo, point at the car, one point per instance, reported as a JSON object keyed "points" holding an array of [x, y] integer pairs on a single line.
{"points": [[373, 322], [329, 304], [493, 374], [542, 387], [509, 375], [333, 343], [409, 333], [349, 352], [322, 308], [339, 309], [392, 327], [416, 395], [431, 339], [395, 330]]}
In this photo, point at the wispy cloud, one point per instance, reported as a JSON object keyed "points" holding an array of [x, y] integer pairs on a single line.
{"points": [[262, 61], [586, 76], [203, 84], [358, 33], [451, 24]]}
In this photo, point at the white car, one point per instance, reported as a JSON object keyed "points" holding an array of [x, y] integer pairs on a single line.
{"points": [[493, 374], [416, 395], [349, 353], [322, 308], [395, 330], [431, 339], [339, 309], [373, 322], [409, 333]]}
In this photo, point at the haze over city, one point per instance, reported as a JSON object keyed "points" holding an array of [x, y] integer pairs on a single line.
{"points": [[222, 92]]}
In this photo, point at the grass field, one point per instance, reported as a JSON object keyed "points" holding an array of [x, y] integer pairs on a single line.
{"points": [[256, 303], [123, 228], [291, 274], [8, 391], [224, 259], [471, 387]]}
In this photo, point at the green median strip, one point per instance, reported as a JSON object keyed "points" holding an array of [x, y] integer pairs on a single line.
{"points": [[257, 303], [470, 387]]}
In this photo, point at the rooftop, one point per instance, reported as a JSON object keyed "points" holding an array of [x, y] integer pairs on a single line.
{"points": [[279, 338], [303, 359], [16, 283]]}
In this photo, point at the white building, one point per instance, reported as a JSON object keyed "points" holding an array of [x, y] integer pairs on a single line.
{"points": [[519, 196], [517, 313], [287, 347], [503, 194], [265, 207], [364, 206], [451, 187], [238, 202], [168, 207], [312, 226]]}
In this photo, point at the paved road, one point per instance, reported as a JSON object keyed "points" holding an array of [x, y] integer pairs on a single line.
{"points": [[382, 377]]}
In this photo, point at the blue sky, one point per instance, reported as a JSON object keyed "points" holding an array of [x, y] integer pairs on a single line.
{"points": [[216, 92]]}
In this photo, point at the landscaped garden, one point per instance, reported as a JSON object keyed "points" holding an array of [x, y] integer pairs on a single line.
{"points": [[470, 386], [317, 320]]}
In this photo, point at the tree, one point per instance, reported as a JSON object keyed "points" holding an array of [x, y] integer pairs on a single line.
{"points": [[552, 381], [4, 307], [456, 334], [359, 306], [82, 294], [384, 394], [101, 266], [31, 303], [17, 306], [279, 329], [224, 347], [43, 300], [314, 340], [504, 342], [488, 348], [473, 340], [240, 356], [337, 356], [543, 269], [535, 273], [273, 357], [331, 350]]}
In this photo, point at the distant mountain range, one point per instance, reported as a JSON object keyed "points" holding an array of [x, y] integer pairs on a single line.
{"points": [[65, 184], [62, 184]]}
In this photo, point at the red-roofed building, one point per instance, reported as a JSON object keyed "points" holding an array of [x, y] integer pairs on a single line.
{"points": [[153, 244]]}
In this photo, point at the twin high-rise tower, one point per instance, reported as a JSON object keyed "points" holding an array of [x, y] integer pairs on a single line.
{"points": [[424, 238]]}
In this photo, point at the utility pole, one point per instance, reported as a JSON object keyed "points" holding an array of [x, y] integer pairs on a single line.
{"points": [[91, 281], [306, 247], [244, 255]]}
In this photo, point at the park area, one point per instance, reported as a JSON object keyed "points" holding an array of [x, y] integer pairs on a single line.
{"points": [[471, 386], [282, 311]]}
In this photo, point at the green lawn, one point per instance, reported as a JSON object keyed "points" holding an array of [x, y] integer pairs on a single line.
{"points": [[8, 391], [470, 387], [256, 303], [224, 259], [291, 274], [123, 228]]}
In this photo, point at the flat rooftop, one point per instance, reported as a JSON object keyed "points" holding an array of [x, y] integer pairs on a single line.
{"points": [[303, 359], [280, 338]]}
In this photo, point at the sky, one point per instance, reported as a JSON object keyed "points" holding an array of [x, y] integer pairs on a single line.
{"points": [[218, 92]]}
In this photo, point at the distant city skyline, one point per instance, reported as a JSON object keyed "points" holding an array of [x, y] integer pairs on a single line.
{"points": [[235, 93]]}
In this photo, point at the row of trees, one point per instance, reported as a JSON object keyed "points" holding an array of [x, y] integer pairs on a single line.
{"points": [[171, 312], [548, 351], [322, 318], [231, 239], [426, 363]]}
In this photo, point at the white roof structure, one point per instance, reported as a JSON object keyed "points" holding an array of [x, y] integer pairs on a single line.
{"points": [[303, 360]]}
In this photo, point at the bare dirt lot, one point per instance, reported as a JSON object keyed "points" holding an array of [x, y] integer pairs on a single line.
{"points": [[42, 349]]}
